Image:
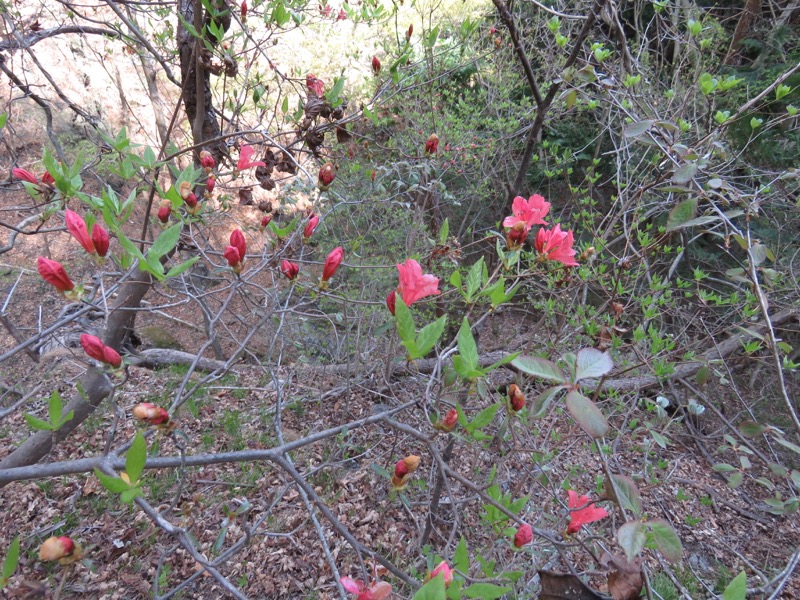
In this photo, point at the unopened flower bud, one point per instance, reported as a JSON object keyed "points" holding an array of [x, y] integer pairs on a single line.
{"points": [[449, 422], [409, 32], [62, 549], [517, 235], [211, 183], [244, 10], [391, 301], [164, 211], [191, 200], [265, 221], [411, 462], [185, 189], [445, 571], [25, 175], [326, 176], [100, 240], [376, 65], [289, 269], [516, 398], [523, 536], [432, 144], [54, 274], [207, 160], [146, 411]]}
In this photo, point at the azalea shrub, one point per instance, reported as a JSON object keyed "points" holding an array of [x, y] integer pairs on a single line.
{"points": [[391, 222]]}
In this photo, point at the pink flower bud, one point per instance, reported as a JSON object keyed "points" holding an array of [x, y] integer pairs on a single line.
{"points": [[432, 144], [238, 242], [517, 235], [449, 422], [391, 301], [409, 32], [207, 160], [61, 549], [400, 469], [443, 569], [376, 65], [289, 269], [100, 240], [523, 536], [146, 411], [342, 15], [244, 10], [96, 349], [211, 183], [164, 211], [265, 221], [332, 263], [326, 176], [516, 398], [54, 274], [191, 200], [311, 226], [25, 175], [48, 179], [77, 227]]}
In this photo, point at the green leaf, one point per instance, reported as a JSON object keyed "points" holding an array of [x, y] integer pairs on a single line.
{"points": [[486, 591], [474, 278], [587, 414], [444, 231], [681, 214], [737, 589], [405, 322], [461, 557], [54, 407], [3, 119], [466, 346], [483, 418], [735, 480], [433, 590], [178, 269], [130, 495], [455, 281], [37, 424], [503, 361], [539, 368], [136, 458], [663, 538], [685, 173], [11, 561], [637, 128], [632, 538], [332, 95], [429, 335], [129, 246], [539, 405], [592, 363], [165, 242], [115, 485], [628, 494], [723, 468]]}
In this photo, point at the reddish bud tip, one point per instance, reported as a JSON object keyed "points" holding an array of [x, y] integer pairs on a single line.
{"points": [[326, 175], [59, 548], [289, 269], [376, 65], [54, 274], [332, 263], [25, 175], [100, 240], [432, 144], [207, 160], [311, 226]]}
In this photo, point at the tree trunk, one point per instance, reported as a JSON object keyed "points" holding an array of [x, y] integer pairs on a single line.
{"points": [[749, 13]]}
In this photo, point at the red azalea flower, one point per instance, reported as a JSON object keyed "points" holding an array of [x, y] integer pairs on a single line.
{"points": [[340, 17], [54, 274], [289, 269], [531, 211], [332, 263], [554, 244], [523, 536], [96, 349], [377, 591], [25, 175], [325, 10], [413, 284], [246, 153], [314, 85], [77, 227], [100, 240], [311, 226], [579, 518]]}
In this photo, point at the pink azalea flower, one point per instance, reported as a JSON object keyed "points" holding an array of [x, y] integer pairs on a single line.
{"points": [[25, 175], [523, 536], [445, 571], [531, 211], [377, 591], [554, 244], [414, 285], [246, 152], [315, 85], [579, 518]]}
